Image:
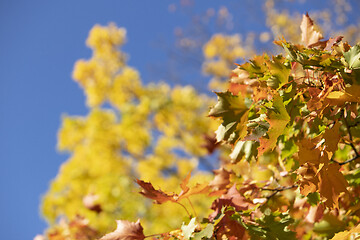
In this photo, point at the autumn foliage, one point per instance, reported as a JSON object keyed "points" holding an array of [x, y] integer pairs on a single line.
{"points": [[286, 131]]}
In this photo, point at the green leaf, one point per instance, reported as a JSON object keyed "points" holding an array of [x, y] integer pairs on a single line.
{"points": [[189, 229], [313, 198], [279, 72], [241, 149], [352, 57], [278, 119], [207, 232], [234, 112], [228, 104], [275, 229]]}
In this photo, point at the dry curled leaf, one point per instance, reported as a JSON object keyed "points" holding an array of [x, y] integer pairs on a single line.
{"points": [[308, 33], [126, 231]]}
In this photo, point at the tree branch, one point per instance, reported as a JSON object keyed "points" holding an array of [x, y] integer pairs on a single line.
{"points": [[277, 190]]}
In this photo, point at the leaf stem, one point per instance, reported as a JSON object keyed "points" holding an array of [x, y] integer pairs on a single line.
{"points": [[192, 206], [185, 209]]}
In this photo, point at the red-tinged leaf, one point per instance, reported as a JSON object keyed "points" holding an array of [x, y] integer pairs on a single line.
{"points": [[308, 33], [150, 192], [231, 229], [278, 118], [126, 231], [231, 198], [235, 88], [332, 41]]}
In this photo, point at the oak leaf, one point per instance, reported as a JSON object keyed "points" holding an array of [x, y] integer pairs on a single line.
{"points": [[126, 231]]}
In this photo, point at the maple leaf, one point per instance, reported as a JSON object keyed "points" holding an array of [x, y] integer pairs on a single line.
{"points": [[234, 112], [308, 33], [332, 138], [332, 184], [308, 182], [160, 197], [150, 192], [126, 231], [309, 153], [221, 179], [348, 235], [232, 198], [189, 229], [279, 72], [350, 94], [352, 57], [278, 119], [324, 178], [272, 225]]}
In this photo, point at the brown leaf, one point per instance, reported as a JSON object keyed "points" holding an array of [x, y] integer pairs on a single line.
{"points": [[150, 192], [126, 231], [160, 197], [308, 33], [221, 179], [90, 202], [211, 143]]}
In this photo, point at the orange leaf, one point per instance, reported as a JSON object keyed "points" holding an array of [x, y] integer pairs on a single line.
{"points": [[160, 197], [332, 184], [346, 235]]}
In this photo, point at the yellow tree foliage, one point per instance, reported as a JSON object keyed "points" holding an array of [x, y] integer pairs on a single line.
{"points": [[152, 132]]}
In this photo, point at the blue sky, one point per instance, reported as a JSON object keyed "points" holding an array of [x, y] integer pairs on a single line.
{"points": [[39, 42]]}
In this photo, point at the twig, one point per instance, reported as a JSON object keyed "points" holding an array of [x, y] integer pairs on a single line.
{"points": [[347, 161], [277, 190], [350, 137]]}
